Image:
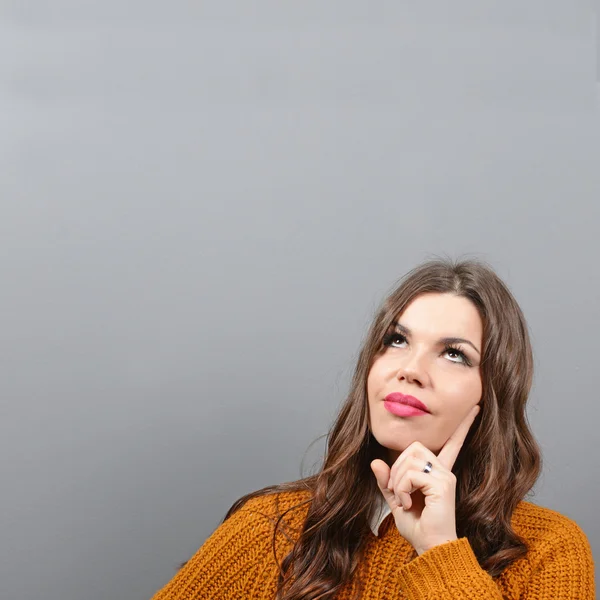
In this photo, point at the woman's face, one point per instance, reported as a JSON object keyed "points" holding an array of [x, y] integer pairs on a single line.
{"points": [[417, 363]]}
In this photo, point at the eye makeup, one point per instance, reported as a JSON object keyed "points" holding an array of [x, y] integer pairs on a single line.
{"points": [[394, 335]]}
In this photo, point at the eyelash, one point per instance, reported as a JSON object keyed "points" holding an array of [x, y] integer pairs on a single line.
{"points": [[390, 337]]}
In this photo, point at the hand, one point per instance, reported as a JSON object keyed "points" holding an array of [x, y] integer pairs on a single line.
{"points": [[429, 515]]}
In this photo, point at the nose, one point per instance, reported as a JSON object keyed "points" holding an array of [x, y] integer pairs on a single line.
{"points": [[412, 369]]}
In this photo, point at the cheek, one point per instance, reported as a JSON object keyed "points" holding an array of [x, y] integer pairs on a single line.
{"points": [[370, 385], [464, 390], [375, 378]]}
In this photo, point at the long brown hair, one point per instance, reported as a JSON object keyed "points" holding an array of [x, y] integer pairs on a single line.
{"points": [[498, 464]]}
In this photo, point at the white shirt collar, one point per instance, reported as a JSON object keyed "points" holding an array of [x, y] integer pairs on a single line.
{"points": [[383, 510]]}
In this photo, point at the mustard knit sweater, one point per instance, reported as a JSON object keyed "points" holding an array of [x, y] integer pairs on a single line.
{"points": [[236, 562]]}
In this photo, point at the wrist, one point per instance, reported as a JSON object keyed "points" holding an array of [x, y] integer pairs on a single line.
{"points": [[433, 545]]}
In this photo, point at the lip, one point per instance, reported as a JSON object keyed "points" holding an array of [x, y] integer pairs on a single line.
{"points": [[403, 410], [397, 397]]}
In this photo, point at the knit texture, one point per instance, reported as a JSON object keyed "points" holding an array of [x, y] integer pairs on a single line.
{"points": [[236, 562]]}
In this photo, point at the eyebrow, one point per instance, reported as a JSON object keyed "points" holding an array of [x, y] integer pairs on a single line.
{"points": [[443, 341]]}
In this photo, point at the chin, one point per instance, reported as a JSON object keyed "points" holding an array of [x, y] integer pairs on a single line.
{"points": [[393, 443], [399, 444]]}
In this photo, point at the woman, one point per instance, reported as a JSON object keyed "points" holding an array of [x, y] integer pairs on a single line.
{"points": [[409, 503]]}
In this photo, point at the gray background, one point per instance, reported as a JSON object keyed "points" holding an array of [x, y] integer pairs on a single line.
{"points": [[202, 206]]}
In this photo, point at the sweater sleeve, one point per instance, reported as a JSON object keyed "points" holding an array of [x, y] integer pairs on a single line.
{"points": [[566, 569], [226, 563], [451, 572], [445, 572]]}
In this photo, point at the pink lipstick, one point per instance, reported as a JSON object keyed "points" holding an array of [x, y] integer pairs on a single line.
{"points": [[404, 406]]}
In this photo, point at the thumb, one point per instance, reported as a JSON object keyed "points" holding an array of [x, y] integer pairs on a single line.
{"points": [[382, 475]]}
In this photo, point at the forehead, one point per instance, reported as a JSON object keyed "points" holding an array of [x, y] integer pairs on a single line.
{"points": [[442, 314]]}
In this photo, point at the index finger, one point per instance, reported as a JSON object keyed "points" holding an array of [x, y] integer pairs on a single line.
{"points": [[449, 453]]}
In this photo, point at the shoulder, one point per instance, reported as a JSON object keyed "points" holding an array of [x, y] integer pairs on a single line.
{"points": [[267, 521], [546, 530], [255, 524], [238, 555], [285, 509]]}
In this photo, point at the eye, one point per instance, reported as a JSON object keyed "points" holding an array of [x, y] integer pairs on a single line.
{"points": [[461, 355], [391, 338]]}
